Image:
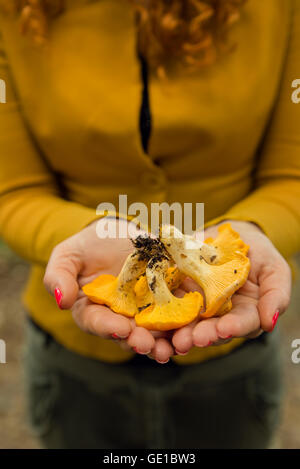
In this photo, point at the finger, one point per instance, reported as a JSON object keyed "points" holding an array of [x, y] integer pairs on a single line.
{"points": [[179, 292], [61, 276], [100, 320], [205, 333], [162, 350], [183, 339], [275, 292], [141, 340], [242, 320]]}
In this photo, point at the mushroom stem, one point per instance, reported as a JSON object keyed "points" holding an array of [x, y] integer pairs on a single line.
{"points": [[156, 273], [131, 270]]}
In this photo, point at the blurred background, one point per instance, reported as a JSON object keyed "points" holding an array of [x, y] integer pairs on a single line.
{"points": [[14, 429]]}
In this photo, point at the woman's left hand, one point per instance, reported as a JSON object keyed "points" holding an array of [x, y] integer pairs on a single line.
{"points": [[256, 306]]}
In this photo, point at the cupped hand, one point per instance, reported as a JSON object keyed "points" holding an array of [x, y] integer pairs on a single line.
{"points": [[78, 260], [256, 306]]}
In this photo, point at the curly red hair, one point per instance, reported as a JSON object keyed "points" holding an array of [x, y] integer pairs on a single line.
{"points": [[192, 32]]}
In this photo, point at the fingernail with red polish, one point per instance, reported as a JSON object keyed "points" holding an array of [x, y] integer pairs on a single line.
{"points": [[115, 336], [120, 337], [162, 363], [58, 297], [274, 320]]}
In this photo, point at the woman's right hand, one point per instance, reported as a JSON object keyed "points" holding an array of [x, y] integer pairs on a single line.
{"points": [[78, 260]]}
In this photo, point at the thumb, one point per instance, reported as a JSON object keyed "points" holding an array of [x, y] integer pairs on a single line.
{"points": [[61, 276]]}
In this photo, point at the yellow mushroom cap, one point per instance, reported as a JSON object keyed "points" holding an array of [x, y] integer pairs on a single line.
{"points": [[177, 313], [104, 290], [96, 289], [227, 243]]}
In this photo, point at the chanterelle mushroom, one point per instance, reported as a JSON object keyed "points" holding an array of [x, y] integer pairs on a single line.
{"points": [[227, 243], [219, 266], [168, 312], [118, 292], [218, 282]]}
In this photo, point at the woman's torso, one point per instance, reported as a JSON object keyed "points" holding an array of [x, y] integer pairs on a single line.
{"points": [[84, 116]]}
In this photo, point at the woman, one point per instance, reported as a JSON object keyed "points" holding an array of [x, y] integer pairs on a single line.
{"points": [[162, 101]]}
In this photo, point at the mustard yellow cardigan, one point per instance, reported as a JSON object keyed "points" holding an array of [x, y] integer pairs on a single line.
{"points": [[228, 136]]}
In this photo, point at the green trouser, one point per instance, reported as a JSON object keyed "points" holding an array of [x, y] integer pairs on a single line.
{"points": [[229, 402]]}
